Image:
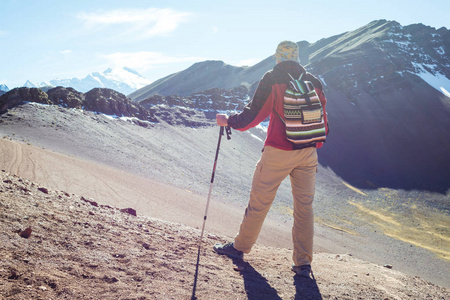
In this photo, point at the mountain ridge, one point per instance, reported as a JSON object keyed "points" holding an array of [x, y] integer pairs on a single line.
{"points": [[374, 35]]}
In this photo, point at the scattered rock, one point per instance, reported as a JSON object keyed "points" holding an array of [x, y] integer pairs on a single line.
{"points": [[388, 266], [93, 203], [107, 206], [129, 211], [26, 233], [14, 275], [43, 189], [110, 279]]}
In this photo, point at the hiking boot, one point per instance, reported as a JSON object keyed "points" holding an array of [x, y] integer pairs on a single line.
{"points": [[228, 250], [302, 271]]}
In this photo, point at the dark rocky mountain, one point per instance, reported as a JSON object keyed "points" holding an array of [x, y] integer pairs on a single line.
{"points": [[66, 97], [100, 100], [388, 102], [110, 102], [20, 95], [389, 126]]}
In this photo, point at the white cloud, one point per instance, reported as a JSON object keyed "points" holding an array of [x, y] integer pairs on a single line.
{"points": [[145, 60], [65, 51], [144, 22], [215, 29], [2, 33]]}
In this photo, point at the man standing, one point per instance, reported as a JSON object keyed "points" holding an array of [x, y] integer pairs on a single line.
{"points": [[279, 159]]}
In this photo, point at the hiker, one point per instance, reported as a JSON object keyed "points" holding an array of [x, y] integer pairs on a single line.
{"points": [[279, 159]]}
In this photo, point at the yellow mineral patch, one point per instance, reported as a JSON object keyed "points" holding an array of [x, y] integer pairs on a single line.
{"points": [[378, 215], [335, 227], [441, 252], [354, 189], [423, 228]]}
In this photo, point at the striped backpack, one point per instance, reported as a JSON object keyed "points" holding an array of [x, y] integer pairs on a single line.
{"points": [[303, 113]]}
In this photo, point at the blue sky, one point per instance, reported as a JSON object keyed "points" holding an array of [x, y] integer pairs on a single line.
{"points": [[44, 40]]}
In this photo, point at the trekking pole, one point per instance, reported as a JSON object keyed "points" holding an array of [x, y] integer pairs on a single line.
{"points": [[228, 130]]}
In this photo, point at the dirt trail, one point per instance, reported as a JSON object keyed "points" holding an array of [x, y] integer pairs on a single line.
{"points": [[117, 188]]}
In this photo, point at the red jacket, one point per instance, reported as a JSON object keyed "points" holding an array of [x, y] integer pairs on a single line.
{"points": [[269, 96]]}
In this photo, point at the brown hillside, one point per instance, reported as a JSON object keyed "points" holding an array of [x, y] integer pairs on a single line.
{"points": [[80, 249]]}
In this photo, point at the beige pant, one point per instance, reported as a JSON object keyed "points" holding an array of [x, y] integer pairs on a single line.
{"points": [[273, 167]]}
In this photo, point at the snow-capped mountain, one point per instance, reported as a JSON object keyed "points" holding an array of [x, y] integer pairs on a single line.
{"points": [[30, 84], [3, 89], [123, 80]]}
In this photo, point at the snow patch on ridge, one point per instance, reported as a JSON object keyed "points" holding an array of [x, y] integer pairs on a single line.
{"points": [[438, 81], [126, 119], [256, 137]]}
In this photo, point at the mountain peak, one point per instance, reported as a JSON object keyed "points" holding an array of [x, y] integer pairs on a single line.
{"points": [[123, 80], [4, 88], [30, 84]]}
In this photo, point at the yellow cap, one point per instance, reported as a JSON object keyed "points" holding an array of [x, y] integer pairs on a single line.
{"points": [[287, 50]]}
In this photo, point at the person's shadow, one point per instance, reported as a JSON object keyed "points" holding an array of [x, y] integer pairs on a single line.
{"points": [[306, 288], [257, 286]]}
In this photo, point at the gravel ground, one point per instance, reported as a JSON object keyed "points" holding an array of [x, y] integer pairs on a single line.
{"points": [[56, 245]]}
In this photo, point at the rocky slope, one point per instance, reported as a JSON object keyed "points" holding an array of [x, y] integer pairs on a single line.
{"points": [[64, 246], [212, 100], [194, 110]]}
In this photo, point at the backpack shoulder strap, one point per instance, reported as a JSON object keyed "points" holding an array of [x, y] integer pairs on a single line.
{"points": [[297, 82], [282, 120]]}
